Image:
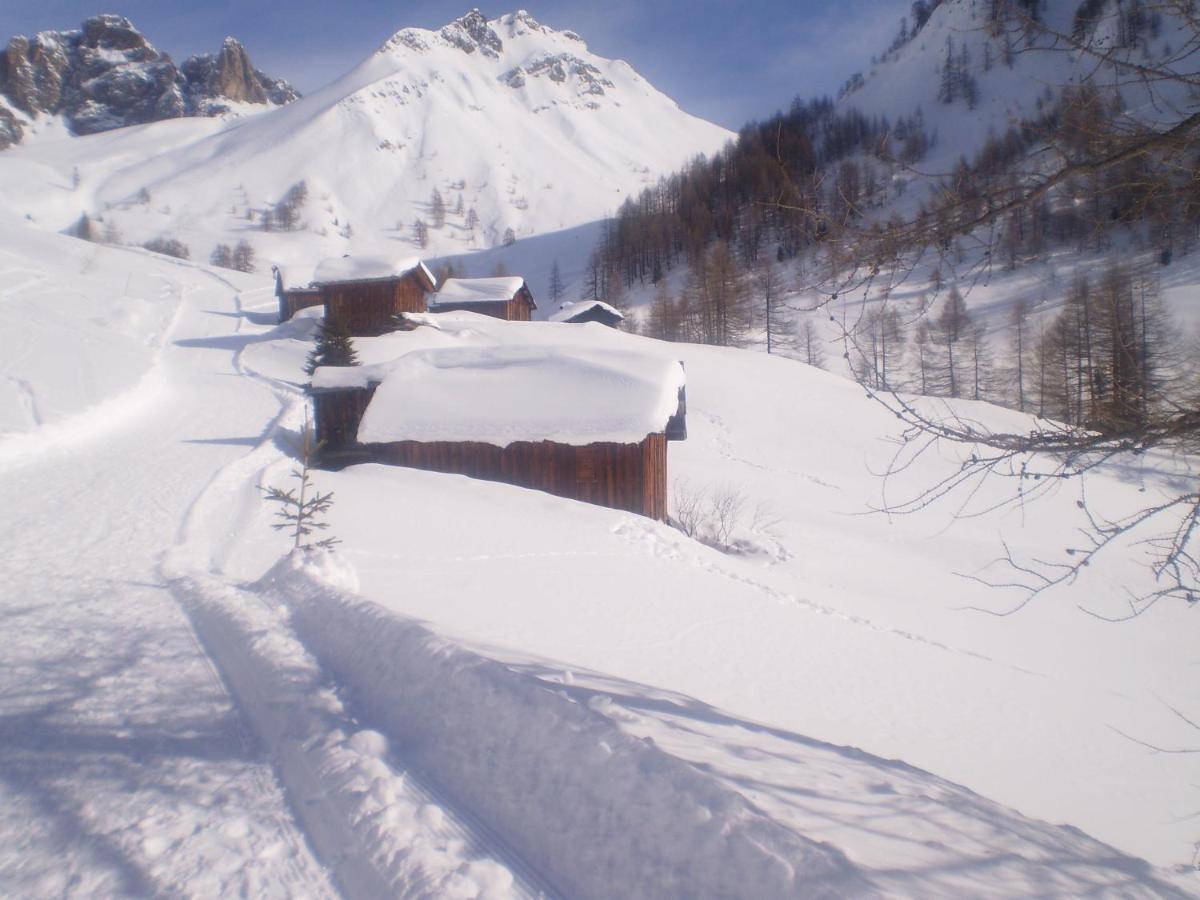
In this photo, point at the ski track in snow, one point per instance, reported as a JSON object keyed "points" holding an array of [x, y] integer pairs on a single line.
{"points": [[124, 767], [382, 826]]}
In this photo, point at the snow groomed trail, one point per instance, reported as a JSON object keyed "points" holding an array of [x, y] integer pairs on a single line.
{"points": [[125, 769]]}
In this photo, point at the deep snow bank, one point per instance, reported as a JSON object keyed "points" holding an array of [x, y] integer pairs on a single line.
{"points": [[377, 829], [597, 812]]}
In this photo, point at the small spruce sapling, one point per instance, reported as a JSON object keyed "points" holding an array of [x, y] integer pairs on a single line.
{"points": [[298, 513], [334, 347]]}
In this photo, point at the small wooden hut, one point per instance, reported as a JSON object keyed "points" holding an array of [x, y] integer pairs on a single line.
{"points": [[588, 426], [507, 298], [365, 293], [295, 290], [589, 311]]}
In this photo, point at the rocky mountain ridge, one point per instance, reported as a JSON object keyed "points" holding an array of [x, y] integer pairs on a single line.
{"points": [[107, 75]]}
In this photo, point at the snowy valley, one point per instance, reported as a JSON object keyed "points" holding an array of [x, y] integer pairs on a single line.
{"points": [[786, 690]]}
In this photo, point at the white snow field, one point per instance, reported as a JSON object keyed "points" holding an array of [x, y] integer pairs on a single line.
{"points": [[490, 692]]}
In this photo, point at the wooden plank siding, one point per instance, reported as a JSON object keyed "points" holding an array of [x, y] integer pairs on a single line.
{"points": [[367, 307], [337, 415], [291, 302], [629, 477]]}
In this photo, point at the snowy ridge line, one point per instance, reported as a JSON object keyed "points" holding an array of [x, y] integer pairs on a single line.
{"points": [[376, 830], [599, 813]]}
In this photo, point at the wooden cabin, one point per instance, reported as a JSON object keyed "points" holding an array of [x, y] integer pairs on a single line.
{"points": [[507, 298], [589, 311], [365, 293], [295, 290], [592, 427]]}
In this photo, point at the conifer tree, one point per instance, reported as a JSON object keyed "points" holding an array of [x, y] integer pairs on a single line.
{"points": [[556, 288], [300, 513], [811, 350], [437, 209], [334, 347], [243, 256]]}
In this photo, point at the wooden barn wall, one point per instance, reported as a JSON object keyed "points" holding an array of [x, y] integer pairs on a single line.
{"points": [[654, 473], [519, 308], [291, 302], [630, 477], [367, 308], [337, 414]]}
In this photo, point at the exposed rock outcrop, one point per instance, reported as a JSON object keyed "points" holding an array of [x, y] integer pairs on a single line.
{"points": [[230, 76], [472, 32], [107, 75]]}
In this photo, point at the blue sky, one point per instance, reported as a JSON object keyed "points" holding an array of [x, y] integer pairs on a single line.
{"points": [[725, 61]]}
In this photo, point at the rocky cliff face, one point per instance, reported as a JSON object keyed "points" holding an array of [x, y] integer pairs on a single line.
{"points": [[230, 76], [107, 75]]}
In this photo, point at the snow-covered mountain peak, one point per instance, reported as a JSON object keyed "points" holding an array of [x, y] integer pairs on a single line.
{"points": [[473, 32], [516, 126], [540, 65]]}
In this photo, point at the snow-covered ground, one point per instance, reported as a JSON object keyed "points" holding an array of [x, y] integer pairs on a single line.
{"points": [[492, 692]]}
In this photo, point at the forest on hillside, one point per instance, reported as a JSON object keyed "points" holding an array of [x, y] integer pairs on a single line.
{"points": [[820, 199]]}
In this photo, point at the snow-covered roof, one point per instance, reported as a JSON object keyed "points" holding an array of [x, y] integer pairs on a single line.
{"points": [[569, 311], [497, 384], [295, 277], [501, 395], [346, 269], [477, 290]]}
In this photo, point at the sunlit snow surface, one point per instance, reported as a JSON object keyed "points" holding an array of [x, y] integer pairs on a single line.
{"points": [[786, 674]]}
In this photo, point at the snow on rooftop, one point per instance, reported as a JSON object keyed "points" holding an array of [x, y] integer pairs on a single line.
{"points": [[339, 269], [501, 395], [477, 290], [295, 277], [568, 311]]}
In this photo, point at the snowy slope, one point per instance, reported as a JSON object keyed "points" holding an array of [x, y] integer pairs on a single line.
{"points": [[754, 674], [1022, 709], [110, 306], [517, 121], [1016, 77]]}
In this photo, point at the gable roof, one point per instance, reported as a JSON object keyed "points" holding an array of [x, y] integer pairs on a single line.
{"points": [[465, 291], [357, 269], [569, 311]]}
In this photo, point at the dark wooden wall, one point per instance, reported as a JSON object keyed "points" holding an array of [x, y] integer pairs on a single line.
{"points": [[291, 302], [632, 477], [337, 415], [367, 307], [654, 476]]}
